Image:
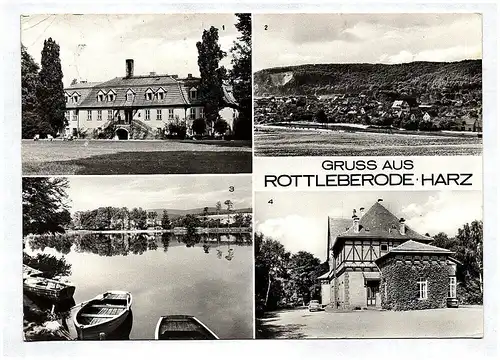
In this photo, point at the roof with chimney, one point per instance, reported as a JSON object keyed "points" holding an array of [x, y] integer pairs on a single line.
{"points": [[415, 247], [175, 92], [377, 222]]}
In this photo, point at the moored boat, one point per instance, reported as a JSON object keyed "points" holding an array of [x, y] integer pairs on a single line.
{"points": [[102, 315], [48, 288], [182, 327]]}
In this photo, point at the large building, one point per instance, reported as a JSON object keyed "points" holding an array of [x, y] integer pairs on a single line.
{"points": [[138, 106], [378, 261]]}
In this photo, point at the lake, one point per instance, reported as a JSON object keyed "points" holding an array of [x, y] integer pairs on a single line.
{"points": [[166, 274]]}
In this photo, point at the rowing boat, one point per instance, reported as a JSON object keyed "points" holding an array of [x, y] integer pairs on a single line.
{"points": [[48, 288], [99, 317], [182, 327]]}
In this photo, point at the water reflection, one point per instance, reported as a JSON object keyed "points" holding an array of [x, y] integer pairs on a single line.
{"points": [[124, 244]]}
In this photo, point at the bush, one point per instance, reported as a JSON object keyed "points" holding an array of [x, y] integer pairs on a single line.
{"points": [[177, 131], [199, 126], [221, 126]]}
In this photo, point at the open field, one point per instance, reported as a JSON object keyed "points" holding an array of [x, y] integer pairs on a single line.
{"points": [[296, 142], [105, 157], [465, 321]]}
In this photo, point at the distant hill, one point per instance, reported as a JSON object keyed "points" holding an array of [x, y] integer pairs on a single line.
{"points": [[176, 213], [409, 78]]}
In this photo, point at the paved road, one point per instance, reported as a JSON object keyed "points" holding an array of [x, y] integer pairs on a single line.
{"points": [[300, 324]]}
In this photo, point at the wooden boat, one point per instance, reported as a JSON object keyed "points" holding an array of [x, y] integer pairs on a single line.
{"points": [[182, 327], [48, 288], [102, 315], [29, 271]]}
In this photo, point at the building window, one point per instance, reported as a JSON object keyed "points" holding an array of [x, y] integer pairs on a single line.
{"points": [[130, 96], [193, 93], [99, 114], [111, 97], [453, 287], [66, 115], [422, 289], [100, 97], [170, 113], [75, 115], [67, 98], [75, 99], [110, 114], [158, 114], [383, 247], [192, 113], [148, 114], [149, 96], [89, 115], [202, 112], [160, 95]]}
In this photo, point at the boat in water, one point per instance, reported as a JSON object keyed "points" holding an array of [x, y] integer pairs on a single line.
{"points": [[51, 289], [182, 327], [102, 315]]}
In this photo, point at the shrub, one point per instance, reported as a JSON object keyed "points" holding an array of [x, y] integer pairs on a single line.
{"points": [[199, 126], [177, 130]]}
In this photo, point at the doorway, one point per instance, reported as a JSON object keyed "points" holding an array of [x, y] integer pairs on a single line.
{"points": [[372, 290], [122, 134]]}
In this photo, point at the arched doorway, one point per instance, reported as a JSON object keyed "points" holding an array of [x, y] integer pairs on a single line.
{"points": [[122, 134]]}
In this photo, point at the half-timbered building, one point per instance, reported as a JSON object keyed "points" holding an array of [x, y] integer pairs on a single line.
{"points": [[138, 106], [360, 247]]}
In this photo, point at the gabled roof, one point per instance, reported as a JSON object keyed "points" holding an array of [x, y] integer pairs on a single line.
{"points": [[378, 222], [415, 247]]}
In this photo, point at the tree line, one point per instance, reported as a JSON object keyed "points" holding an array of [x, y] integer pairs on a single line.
{"points": [[467, 245], [284, 279]]}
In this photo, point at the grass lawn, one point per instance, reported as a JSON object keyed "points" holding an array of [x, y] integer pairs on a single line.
{"points": [[295, 142], [105, 157], [466, 321]]}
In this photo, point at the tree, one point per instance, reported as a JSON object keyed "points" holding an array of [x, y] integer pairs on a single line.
{"points": [[29, 103], [212, 75], [44, 206], [51, 90], [221, 126], [321, 116], [241, 76], [199, 126], [139, 217], [165, 220], [303, 274], [153, 215]]}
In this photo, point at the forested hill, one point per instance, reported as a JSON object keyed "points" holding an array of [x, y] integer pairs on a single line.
{"points": [[409, 78], [175, 213]]}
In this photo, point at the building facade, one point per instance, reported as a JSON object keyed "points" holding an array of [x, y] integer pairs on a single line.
{"points": [[365, 254], [138, 107]]}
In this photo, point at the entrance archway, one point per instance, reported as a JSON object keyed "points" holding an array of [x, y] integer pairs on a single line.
{"points": [[122, 134]]}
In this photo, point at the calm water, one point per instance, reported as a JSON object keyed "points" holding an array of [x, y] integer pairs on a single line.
{"points": [[166, 274]]}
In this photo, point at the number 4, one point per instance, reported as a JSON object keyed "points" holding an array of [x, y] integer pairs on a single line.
{"points": [[270, 201]]}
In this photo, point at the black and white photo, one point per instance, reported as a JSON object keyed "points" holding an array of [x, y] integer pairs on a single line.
{"points": [[136, 94], [139, 258], [368, 84]]}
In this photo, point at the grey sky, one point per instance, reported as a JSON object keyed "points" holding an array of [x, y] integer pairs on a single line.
{"points": [[94, 47], [149, 192], [299, 220], [293, 39]]}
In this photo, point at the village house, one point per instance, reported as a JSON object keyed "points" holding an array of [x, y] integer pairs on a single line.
{"points": [[377, 261], [138, 106]]}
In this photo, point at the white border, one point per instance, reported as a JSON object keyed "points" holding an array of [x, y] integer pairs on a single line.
{"points": [[286, 349]]}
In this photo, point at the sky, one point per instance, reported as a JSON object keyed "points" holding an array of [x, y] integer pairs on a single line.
{"points": [[299, 221], [294, 39], [94, 47], [158, 192]]}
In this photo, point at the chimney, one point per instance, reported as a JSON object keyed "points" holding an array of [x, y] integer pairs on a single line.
{"points": [[175, 76], [129, 68], [361, 212], [355, 221], [152, 73], [190, 76], [402, 228]]}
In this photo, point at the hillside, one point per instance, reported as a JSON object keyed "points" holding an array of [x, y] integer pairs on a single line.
{"points": [[408, 78]]}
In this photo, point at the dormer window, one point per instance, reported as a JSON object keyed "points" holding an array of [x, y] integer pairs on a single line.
{"points": [[66, 96], [130, 95], [193, 93], [75, 98], [160, 94], [149, 95], [111, 95]]}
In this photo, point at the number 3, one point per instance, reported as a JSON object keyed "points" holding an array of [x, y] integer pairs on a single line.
{"points": [[231, 188]]}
